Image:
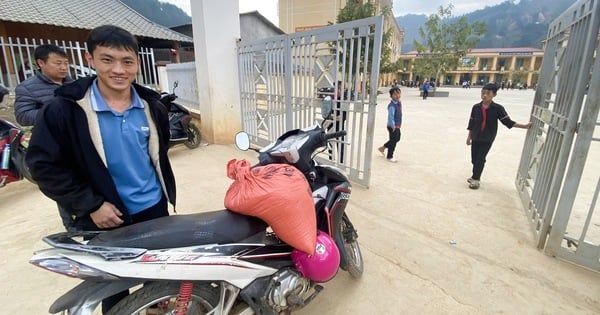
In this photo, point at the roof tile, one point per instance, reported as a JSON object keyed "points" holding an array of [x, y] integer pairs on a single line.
{"points": [[85, 14]]}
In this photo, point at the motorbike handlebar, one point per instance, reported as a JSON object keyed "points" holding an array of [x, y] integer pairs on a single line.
{"points": [[332, 135], [167, 98]]}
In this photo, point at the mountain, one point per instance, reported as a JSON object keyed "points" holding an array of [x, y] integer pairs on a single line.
{"points": [[162, 13], [524, 24]]}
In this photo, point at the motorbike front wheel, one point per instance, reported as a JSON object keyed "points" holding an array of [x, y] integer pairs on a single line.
{"points": [[193, 140], [355, 264], [161, 298]]}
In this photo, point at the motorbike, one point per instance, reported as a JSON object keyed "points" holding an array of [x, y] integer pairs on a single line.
{"points": [[216, 262], [181, 127], [13, 147]]}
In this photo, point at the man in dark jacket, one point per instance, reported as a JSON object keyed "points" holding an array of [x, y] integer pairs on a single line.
{"points": [[35, 92], [99, 148]]}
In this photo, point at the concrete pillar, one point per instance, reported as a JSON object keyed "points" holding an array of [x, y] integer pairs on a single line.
{"points": [[216, 27], [532, 63]]}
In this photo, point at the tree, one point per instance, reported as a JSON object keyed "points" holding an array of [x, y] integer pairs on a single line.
{"points": [[356, 10], [445, 42]]}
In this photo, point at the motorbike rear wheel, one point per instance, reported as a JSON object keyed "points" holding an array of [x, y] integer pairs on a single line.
{"points": [[194, 137], [161, 298], [355, 264]]}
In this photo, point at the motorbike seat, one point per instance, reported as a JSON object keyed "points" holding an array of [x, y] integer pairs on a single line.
{"points": [[214, 227]]}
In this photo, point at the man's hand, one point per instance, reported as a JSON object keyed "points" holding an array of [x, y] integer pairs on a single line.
{"points": [[107, 216]]}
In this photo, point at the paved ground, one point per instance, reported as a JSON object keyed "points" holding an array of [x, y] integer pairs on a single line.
{"points": [[430, 244]]}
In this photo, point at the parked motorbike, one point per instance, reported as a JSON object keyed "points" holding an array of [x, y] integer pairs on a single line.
{"points": [[217, 262], [13, 147], [181, 127]]}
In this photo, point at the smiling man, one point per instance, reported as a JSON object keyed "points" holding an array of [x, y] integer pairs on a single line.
{"points": [[99, 149]]}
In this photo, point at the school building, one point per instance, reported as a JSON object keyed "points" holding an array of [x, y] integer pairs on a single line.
{"points": [[301, 15], [519, 67]]}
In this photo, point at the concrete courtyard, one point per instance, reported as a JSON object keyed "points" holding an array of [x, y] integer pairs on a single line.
{"points": [[430, 244]]}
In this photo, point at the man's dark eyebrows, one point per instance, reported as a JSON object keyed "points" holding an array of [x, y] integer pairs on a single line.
{"points": [[107, 55]]}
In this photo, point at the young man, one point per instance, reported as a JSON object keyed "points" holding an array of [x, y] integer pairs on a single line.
{"points": [[394, 122], [32, 94], [99, 149], [483, 126]]}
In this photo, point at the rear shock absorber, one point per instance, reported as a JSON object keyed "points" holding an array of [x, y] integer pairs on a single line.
{"points": [[184, 297]]}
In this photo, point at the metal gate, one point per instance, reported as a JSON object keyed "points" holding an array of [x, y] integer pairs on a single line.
{"points": [[284, 79], [559, 173]]}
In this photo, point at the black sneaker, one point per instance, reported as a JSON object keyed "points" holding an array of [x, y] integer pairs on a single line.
{"points": [[473, 184]]}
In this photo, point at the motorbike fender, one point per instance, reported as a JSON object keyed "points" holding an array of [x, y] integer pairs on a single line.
{"points": [[338, 214], [185, 121], [88, 294]]}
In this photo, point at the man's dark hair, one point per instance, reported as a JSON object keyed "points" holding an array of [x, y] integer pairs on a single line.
{"points": [[394, 89], [491, 87], [111, 36], [43, 51]]}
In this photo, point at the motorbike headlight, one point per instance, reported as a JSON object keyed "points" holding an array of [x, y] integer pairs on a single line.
{"points": [[72, 269]]}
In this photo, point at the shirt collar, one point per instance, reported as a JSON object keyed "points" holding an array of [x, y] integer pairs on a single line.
{"points": [[99, 105]]}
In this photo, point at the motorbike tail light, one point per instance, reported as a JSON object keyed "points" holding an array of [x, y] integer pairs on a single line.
{"points": [[72, 269], [186, 119]]}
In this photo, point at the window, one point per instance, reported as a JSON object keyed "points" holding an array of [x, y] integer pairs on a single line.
{"points": [[483, 63]]}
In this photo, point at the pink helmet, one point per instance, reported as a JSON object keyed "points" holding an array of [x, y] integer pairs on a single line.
{"points": [[323, 264]]}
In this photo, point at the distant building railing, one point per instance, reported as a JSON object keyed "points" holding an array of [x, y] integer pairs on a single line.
{"points": [[17, 64]]}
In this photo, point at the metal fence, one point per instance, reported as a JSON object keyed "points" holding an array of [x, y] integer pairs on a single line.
{"points": [[283, 81], [559, 173], [17, 64]]}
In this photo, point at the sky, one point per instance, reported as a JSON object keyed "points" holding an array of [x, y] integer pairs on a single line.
{"points": [[268, 8]]}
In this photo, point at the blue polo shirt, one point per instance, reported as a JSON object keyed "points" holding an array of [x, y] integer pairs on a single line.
{"points": [[125, 140]]}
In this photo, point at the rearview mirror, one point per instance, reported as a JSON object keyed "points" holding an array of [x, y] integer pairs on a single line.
{"points": [[242, 140]]}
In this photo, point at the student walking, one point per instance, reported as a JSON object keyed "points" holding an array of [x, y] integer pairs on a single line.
{"points": [[483, 126], [394, 122], [426, 87]]}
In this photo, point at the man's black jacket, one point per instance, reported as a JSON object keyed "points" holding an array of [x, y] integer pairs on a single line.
{"points": [[66, 158]]}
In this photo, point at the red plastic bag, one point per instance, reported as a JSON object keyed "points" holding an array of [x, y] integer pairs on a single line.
{"points": [[279, 195]]}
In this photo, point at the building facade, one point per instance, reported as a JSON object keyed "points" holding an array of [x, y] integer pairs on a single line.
{"points": [[513, 67], [300, 15]]}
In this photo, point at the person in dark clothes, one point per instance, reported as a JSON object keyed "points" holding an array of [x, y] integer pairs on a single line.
{"points": [[99, 148], [32, 94], [483, 126]]}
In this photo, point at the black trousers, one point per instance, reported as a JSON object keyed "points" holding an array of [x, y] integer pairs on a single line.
{"points": [[340, 124], [394, 137], [479, 151], [157, 211]]}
